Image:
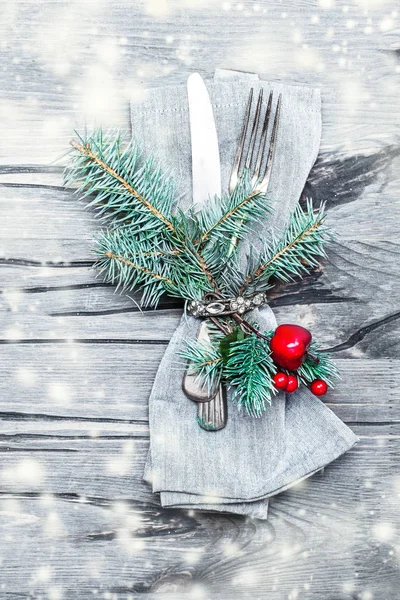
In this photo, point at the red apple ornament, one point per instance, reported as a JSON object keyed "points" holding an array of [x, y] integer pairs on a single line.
{"points": [[289, 346]]}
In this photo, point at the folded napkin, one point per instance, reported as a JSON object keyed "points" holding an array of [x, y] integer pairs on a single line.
{"points": [[238, 468]]}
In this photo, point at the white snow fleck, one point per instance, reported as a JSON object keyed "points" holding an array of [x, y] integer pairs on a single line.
{"points": [[366, 595], [43, 574], [28, 471], [13, 333], [59, 393], [191, 558], [197, 591], [12, 298], [53, 526], [27, 376], [157, 8], [55, 593], [326, 3], [383, 532], [230, 548], [349, 587], [245, 576], [386, 24]]}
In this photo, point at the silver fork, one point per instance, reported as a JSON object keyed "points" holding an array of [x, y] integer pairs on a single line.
{"points": [[212, 414], [247, 157]]}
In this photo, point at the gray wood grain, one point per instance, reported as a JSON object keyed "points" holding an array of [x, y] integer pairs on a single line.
{"points": [[77, 361]]}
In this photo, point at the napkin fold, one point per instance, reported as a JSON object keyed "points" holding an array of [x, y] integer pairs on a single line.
{"points": [[238, 468]]}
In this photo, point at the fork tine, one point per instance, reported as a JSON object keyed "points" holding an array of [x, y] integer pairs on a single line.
{"points": [[239, 151], [268, 167], [253, 136], [263, 140]]}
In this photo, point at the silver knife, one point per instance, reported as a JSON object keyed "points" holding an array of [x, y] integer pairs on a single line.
{"points": [[206, 173]]}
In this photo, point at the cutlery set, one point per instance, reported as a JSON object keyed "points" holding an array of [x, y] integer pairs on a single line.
{"points": [[253, 154]]}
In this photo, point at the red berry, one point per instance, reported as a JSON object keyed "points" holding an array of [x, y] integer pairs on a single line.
{"points": [[280, 381], [319, 387], [292, 384]]}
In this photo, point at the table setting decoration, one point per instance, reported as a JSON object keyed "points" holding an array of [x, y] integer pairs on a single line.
{"points": [[238, 392]]}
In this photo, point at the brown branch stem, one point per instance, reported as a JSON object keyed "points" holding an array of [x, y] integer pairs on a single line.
{"points": [[313, 357], [246, 324], [137, 267]]}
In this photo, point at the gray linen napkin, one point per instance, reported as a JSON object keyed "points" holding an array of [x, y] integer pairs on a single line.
{"points": [[238, 468]]}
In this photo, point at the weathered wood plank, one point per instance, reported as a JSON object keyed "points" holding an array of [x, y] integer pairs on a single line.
{"points": [[130, 326], [95, 383], [335, 304], [158, 41], [122, 532], [356, 211]]}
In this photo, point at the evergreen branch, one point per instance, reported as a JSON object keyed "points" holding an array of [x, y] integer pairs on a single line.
{"points": [[129, 263], [191, 256], [235, 210], [139, 197], [205, 360], [296, 252], [250, 369], [86, 151], [324, 368], [226, 217], [124, 187], [161, 253]]}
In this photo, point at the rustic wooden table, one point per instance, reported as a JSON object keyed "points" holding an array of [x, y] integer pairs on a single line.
{"points": [[78, 361]]}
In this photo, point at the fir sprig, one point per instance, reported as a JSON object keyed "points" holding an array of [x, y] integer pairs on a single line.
{"points": [[295, 253], [243, 360], [250, 369], [127, 189], [137, 198], [230, 216], [227, 218], [318, 365], [205, 360], [130, 263]]}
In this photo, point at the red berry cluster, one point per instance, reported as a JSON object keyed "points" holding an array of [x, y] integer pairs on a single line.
{"points": [[290, 383], [289, 346]]}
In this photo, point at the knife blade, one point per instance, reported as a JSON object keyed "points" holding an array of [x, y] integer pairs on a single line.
{"points": [[206, 168], [206, 177]]}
